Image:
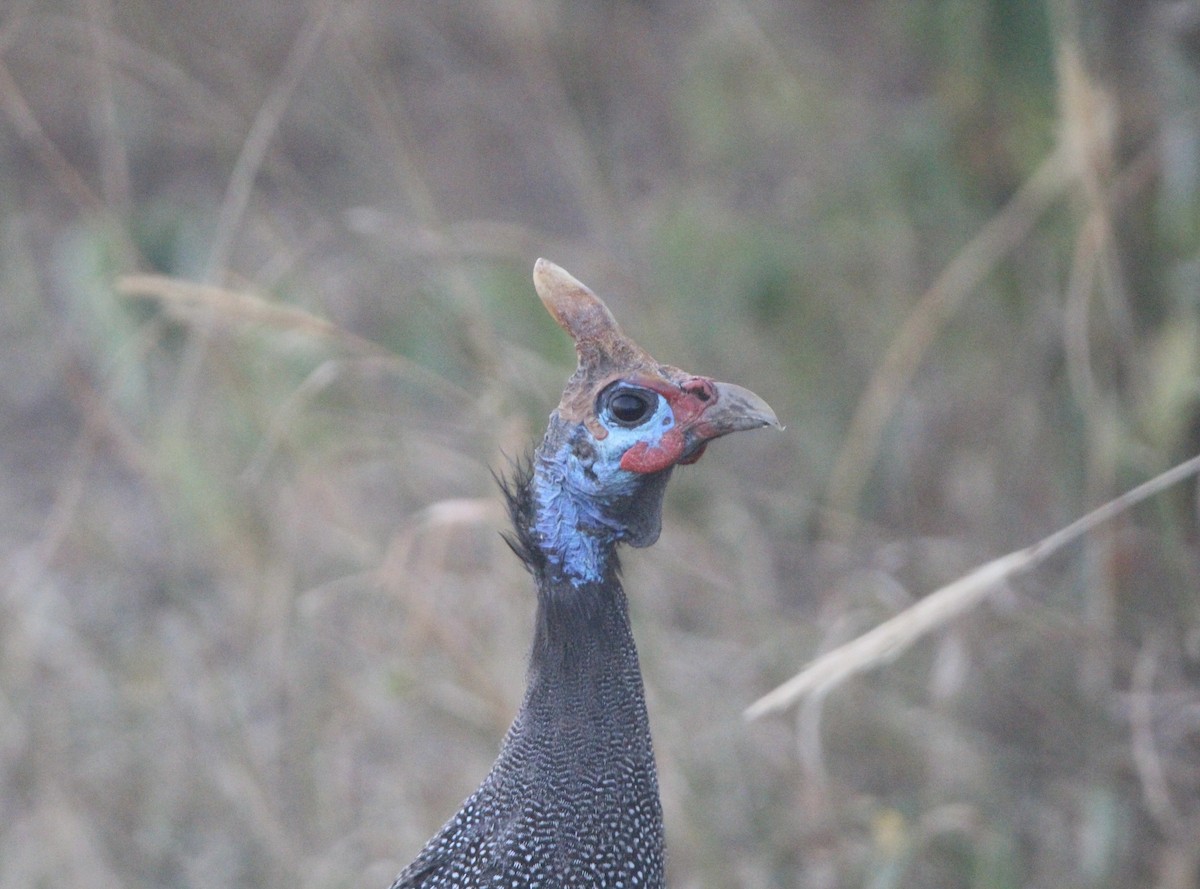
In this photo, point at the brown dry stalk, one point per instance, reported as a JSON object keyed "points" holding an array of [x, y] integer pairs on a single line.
{"points": [[1083, 156], [207, 304], [1002, 233], [186, 298], [29, 129], [893, 636], [258, 139]]}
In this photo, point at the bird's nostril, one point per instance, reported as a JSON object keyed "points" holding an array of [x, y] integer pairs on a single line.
{"points": [[702, 389]]}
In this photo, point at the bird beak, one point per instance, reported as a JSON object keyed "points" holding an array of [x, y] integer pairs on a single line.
{"points": [[736, 409], [730, 409]]}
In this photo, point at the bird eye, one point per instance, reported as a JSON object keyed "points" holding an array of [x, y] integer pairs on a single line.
{"points": [[629, 407]]}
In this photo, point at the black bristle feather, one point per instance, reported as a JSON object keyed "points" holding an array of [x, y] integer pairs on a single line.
{"points": [[518, 498], [517, 488]]}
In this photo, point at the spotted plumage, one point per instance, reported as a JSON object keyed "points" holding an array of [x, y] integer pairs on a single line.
{"points": [[572, 800]]}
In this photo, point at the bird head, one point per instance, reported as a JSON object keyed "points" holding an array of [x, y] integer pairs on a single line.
{"points": [[625, 420]]}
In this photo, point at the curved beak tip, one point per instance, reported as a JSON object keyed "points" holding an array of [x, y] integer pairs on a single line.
{"points": [[769, 419], [763, 418]]}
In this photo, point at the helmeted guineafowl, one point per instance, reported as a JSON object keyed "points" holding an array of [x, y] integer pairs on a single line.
{"points": [[572, 800]]}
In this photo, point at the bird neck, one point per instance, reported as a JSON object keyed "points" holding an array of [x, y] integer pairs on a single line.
{"points": [[575, 537], [581, 629], [583, 665], [578, 760], [584, 695]]}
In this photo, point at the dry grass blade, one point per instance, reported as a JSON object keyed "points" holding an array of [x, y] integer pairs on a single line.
{"points": [[893, 636], [205, 303], [258, 139], [186, 297], [29, 129], [1002, 233]]}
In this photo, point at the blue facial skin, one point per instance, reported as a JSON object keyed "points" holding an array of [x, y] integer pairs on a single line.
{"points": [[584, 497]]}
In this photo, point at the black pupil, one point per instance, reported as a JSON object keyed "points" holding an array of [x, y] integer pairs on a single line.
{"points": [[628, 407]]}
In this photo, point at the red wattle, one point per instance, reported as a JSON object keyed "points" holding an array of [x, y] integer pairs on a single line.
{"points": [[644, 458]]}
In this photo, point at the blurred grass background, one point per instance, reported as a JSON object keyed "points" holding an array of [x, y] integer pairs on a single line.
{"points": [[257, 626]]}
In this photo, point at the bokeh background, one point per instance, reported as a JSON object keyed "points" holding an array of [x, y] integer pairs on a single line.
{"points": [[257, 624]]}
